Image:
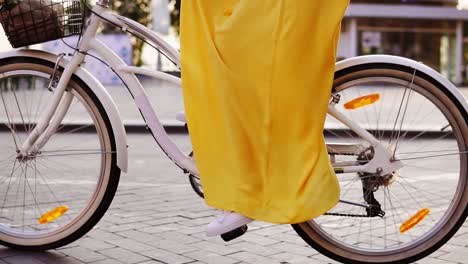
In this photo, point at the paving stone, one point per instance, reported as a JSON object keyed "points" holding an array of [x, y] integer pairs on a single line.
{"points": [[215, 247], [131, 244], [253, 258], [430, 260], [136, 235], [166, 220], [23, 260], [260, 240], [123, 255], [160, 219], [460, 240], [94, 244], [293, 248], [66, 260], [82, 254], [103, 235], [130, 226], [107, 261], [256, 249], [161, 228], [291, 238], [323, 258], [5, 252], [172, 246], [457, 257], [210, 257], [47, 256], [195, 215], [452, 248], [291, 258], [167, 257], [177, 237], [135, 219], [197, 222], [202, 236], [193, 230], [271, 230]]}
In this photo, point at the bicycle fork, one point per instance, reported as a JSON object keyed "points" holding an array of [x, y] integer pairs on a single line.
{"points": [[61, 101], [53, 116]]}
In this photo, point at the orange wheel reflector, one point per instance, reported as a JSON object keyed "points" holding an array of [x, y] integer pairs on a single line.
{"points": [[414, 220], [53, 214], [362, 101]]}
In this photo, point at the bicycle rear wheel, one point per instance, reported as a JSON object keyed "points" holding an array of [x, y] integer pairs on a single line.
{"points": [[425, 127], [53, 196]]}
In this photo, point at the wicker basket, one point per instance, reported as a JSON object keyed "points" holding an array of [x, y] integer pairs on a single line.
{"points": [[28, 22]]}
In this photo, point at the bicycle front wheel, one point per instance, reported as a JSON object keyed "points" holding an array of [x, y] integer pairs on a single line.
{"points": [[51, 196], [425, 127]]}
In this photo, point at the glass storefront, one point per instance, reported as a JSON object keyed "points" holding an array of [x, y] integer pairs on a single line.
{"points": [[435, 38], [431, 42]]}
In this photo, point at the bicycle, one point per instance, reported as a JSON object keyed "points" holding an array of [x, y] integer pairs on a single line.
{"points": [[386, 214]]}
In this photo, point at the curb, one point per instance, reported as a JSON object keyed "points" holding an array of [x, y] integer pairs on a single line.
{"points": [[171, 127]]}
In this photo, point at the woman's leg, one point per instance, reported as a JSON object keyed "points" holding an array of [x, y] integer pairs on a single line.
{"points": [[257, 77]]}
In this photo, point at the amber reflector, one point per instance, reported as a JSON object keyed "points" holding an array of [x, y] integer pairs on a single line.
{"points": [[362, 101], [414, 220], [53, 214]]}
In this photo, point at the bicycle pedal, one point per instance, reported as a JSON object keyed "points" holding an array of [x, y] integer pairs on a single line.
{"points": [[233, 234]]}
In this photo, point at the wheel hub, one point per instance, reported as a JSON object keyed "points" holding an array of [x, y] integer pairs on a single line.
{"points": [[24, 158], [372, 181]]}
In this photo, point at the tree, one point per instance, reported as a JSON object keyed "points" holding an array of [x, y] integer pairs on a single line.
{"points": [[140, 11], [175, 14]]}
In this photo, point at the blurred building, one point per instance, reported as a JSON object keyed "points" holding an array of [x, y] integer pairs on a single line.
{"points": [[434, 32]]}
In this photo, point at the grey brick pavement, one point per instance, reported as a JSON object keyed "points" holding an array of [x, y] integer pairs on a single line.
{"points": [[156, 218]]}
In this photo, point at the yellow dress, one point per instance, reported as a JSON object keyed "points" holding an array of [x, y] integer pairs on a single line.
{"points": [[257, 76]]}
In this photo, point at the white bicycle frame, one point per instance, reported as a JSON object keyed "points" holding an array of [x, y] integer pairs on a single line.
{"points": [[382, 163]]}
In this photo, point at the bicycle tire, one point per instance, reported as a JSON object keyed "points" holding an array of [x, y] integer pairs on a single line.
{"points": [[314, 232], [101, 194]]}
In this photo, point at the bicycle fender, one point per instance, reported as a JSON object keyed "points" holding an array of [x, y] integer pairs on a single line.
{"points": [[100, 92], [418, 66]]}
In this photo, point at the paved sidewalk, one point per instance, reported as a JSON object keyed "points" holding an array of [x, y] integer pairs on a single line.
{"points": [[166, 99], [156, 218]]}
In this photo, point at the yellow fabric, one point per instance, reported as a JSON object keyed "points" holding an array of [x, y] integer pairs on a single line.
{"points": [[256, 79]]}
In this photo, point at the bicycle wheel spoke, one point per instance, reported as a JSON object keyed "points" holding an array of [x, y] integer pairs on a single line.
{"points": [[9, 125], [42, 197], [417, 126], [19, 109], [64, 153], [432, 156], [404, 114]]}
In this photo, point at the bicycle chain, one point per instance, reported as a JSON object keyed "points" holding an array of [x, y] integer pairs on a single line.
{"points": [[341, 214], [349, 215]]}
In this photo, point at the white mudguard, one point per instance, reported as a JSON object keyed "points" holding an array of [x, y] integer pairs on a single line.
{"points": [[100, 92], [361, 60]]}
